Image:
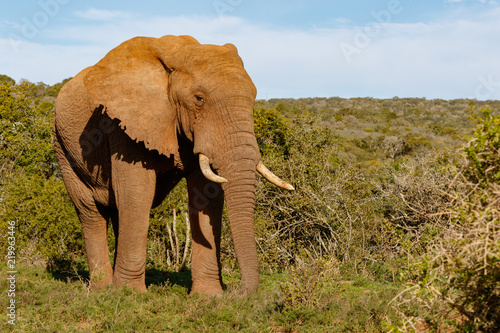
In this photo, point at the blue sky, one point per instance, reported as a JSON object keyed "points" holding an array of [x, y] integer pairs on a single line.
{"points": [[360, 48]]}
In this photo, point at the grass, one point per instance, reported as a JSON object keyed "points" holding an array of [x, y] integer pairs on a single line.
{"points": [[58, 302]]}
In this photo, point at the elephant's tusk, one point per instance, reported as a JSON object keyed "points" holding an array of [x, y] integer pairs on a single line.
{"points": [[271, 177], [207, 171]]}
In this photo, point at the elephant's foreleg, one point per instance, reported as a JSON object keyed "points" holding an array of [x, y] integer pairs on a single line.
{"points": [[134, 189], [205, 212]]}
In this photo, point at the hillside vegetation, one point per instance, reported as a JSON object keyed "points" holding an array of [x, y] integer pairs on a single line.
{"points": [[394, 225]]}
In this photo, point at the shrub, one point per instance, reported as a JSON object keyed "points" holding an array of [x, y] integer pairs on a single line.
{"points": [[289, 222], [307, 284], [31, 192], [483, 151], [459, 277], [46, 223]]}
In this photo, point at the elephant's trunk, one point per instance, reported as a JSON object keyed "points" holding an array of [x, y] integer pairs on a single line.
{"points": [[239, 194], [239, 158], [234, 155]]}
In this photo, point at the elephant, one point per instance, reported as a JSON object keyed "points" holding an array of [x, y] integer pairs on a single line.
{"points": [[152, 112]]}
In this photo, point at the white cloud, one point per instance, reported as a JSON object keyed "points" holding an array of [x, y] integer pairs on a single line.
{"points": [[446, 59], [44, 63], [489, 2], [8, 25], [102, 15], [342, 20]]}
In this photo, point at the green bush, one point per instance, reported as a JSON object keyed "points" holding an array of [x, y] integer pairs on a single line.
{"points": [[7, 79], [46, 223], [305, 155], [25, 132], [32, 193], [483, 151], [459, 277], [338, 210]]}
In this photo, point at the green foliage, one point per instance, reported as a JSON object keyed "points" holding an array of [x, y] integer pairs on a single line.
{"points": [[376, 190], [459, 277], [483, 150], [46, 221], [272, 130], [53, 91], [414, 143], [7, 79], [26, 132], [309, 157], [474, 274], [31, 192], [341, 209]]}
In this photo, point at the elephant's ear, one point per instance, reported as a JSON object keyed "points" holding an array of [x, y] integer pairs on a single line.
{"points": [[131, 83], [231, 47]]}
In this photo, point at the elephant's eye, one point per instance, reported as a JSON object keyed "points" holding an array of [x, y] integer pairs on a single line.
{"points": [[199, 100]]}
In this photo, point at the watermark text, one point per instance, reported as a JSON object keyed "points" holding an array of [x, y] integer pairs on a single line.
{"points": [[364, 36], [11, 272], [31, 26], [223, 7], [487, 87]]}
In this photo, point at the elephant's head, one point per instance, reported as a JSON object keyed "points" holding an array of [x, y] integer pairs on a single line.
{"points": [[173, 87]]}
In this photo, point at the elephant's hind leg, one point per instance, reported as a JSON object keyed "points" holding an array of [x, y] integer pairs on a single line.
{"points": [[94, 221], [94, 226]]}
